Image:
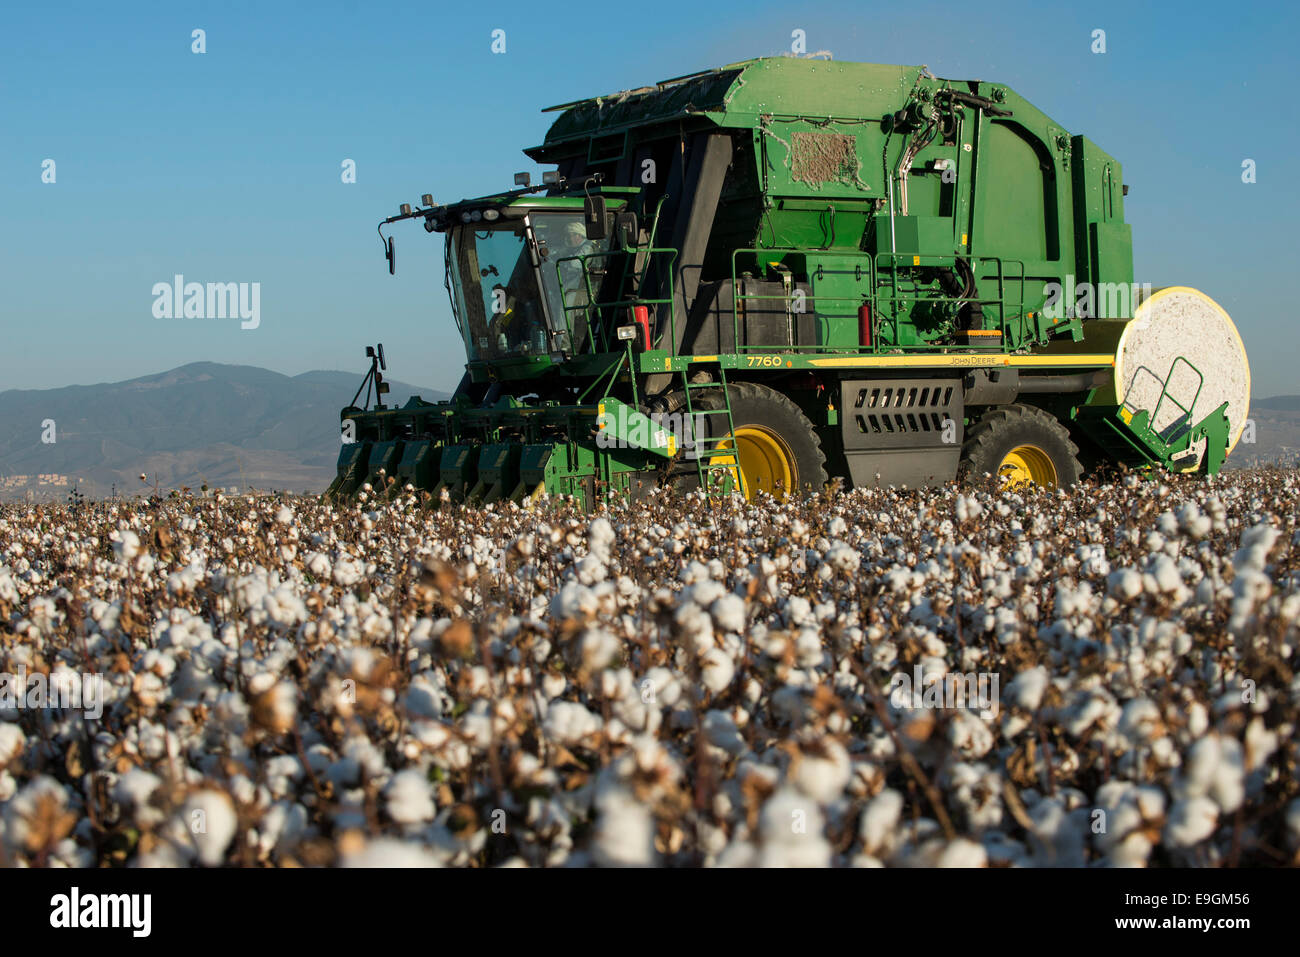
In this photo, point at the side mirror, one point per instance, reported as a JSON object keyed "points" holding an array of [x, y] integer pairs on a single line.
{"points": [[626, 229], [388, 254], [593, 212]]}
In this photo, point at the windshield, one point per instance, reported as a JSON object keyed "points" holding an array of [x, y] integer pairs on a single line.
{"points": [[496, 284]]}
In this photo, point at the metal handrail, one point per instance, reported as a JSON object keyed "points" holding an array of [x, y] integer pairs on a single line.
{"points": [[1164, 391], [892, 301], [736, 298], [599, 306], [1000, 276]]}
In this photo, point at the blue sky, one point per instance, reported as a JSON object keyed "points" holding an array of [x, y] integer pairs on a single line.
{"points": [[226, 166]]}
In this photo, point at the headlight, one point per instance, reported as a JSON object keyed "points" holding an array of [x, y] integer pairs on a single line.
{"points": [[491, 215], [476, 216], [464, 217]]}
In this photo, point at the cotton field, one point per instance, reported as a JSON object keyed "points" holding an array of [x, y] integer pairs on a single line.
{"points": [[1098, 677]]}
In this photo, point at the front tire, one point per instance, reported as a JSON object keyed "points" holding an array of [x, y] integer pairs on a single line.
{"points": [[779, 451]]}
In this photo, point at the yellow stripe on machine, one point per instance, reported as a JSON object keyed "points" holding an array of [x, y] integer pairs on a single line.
{"points": [[949, 361]]}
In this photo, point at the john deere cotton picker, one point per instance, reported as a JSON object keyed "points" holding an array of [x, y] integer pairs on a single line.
{"points": [[823, 269]]}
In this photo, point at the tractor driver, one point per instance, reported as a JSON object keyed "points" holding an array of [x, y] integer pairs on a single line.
{"points": [[573, 242]]}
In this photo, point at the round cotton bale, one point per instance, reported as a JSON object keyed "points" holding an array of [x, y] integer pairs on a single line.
{"points": [[1173, 330]]}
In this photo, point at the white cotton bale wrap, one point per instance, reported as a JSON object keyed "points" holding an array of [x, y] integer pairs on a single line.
{"points": [[1182, 322]]}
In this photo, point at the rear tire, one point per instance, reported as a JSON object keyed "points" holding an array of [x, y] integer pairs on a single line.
{"points": [[1020, 444]]}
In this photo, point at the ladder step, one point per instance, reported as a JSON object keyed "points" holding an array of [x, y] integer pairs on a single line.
{"points": [[714, 454]]}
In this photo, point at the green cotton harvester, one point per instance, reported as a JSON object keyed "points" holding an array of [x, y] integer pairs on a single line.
{"points": [[766, 276]]}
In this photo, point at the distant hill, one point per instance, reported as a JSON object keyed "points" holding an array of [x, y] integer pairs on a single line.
{"points": [[1277, 434], [1279, 403], [226, 425]]}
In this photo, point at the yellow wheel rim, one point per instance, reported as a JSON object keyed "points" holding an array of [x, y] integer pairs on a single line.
{"points": [[766, 462], [1026, 464]]}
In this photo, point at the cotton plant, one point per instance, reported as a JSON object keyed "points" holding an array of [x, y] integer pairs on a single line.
{"points": [[401, 682]]}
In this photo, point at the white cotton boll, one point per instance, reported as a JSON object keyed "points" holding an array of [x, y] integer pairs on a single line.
{"points": [[879, 819], [368, 757], [1124, 583], [739, 853], [347, 572], [1261, 744], [1255, 546], [970, 734], [210, 818], [409, 797], [968, 508], [1193, 522], [600, 537], [389, 852], [1191, 821], [978, 792], [1027, 688], [1076, 600], [791, 825], [720, 731], [36, 799], [284, 516], [12, 741], [625, 830], [798, 611], [823, 774], [1164, 572], [281, 773], [319, 565], [553, 685], [570, 723], [809, 651], [716, 670], [728, 613], [592, 570], [666, 689], [1140, 721], [962, 852], [282, 827], [695, 627], [1087, 709], [1215, 768], [574, 600], [1058, 833], [600, 649], [1133, 850], [703, 591], [842, 559]]}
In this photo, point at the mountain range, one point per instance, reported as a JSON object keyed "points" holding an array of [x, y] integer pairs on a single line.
{"points": [[205, 423]]}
